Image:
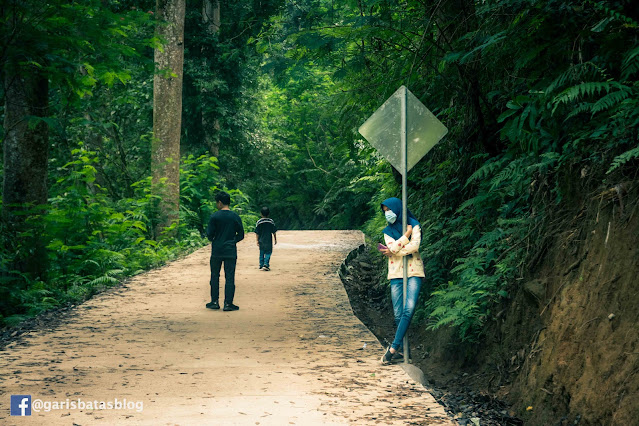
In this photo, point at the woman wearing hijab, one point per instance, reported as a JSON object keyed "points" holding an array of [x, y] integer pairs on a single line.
{"points": [[398, 246]]}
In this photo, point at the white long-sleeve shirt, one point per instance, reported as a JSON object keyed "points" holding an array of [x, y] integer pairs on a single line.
{"points": [[405, 247]]}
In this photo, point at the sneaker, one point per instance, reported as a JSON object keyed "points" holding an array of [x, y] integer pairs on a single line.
{"points": [[397, 357], [266, 268], [261, 266], [213, 305], [387, 358], [230, 307]]}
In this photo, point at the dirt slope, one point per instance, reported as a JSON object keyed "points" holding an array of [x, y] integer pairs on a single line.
{"points": [[580, 308], [293, 354]]}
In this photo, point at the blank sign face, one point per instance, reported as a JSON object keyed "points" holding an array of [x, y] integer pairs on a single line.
{"points": [[383, 128]]}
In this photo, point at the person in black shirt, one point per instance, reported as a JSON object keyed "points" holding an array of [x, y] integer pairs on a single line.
{"points": [[225, 231], [264, 228]]}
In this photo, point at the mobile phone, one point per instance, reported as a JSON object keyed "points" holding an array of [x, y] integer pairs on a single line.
{"points": [[381, 247]]}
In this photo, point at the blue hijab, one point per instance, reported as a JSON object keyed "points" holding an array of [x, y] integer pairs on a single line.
{"points": [[395, 230]]}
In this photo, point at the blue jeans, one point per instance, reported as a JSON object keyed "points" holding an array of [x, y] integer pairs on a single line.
{"points": [[404, 314], [265, 258]]}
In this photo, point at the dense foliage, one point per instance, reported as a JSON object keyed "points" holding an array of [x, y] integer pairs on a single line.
{"points": [[537, 95], [98, 226]]}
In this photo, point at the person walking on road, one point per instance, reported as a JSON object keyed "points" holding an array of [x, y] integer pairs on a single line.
{"points": [[225, 230], [398, 246], [265, 232]]}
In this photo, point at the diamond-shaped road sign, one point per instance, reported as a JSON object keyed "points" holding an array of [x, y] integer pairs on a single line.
{"points": [[423, 129]]}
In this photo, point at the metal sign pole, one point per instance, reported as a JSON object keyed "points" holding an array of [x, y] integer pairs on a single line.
{"points": [[381, 131], [404, 171]]}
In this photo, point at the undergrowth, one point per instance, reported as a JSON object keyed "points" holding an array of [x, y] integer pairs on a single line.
{"points": [[93, 242]]}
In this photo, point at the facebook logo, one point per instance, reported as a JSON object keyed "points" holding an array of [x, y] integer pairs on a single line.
{"points": [[20, 405]]}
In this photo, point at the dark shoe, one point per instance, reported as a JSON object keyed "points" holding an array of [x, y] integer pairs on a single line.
{"points": [[230, 307], [213, 305], [387, 358], [397, 357], [266, 268], [261, 267]]}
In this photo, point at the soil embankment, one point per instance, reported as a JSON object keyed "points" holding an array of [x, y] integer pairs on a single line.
{"points": [[293, 354]]}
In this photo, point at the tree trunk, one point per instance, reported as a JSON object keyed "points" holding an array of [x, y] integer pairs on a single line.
{"points": [[210, 126], [211, 15], [167, 110], [458, 14], [26, 156]]}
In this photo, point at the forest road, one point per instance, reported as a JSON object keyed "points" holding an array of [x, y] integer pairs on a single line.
{"points": [[293, 354]]}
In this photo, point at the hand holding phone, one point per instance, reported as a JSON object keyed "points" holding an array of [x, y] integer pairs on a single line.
{"points": [[381, 247]]}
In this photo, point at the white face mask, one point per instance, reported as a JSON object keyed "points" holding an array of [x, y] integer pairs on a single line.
{"points": [[390, 216]]}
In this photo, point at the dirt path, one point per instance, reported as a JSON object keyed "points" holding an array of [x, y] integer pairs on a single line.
{"points": [[293, 354]]}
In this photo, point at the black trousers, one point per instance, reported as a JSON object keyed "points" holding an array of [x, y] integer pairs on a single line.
{"points": [[229, 273]]}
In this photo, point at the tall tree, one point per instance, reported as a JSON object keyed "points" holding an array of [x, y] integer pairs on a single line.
{"points": [[211, 15], [25, 149], [167, 108], [212, 19], [26, 142], [59, 50]]}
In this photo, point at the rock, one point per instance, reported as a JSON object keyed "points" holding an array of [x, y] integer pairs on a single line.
{"points": [[536, 289], [611, 316], [366, 266]]}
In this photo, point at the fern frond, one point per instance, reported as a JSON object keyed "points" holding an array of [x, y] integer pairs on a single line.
{"points": [[490, 238], [103, 280], [630, 64], [488, 169], [580, 72], [610, 100], [620, 160], [589, 88], [583, 107], [479, 200], [547, 161], [465, 233], [614, 14], [452, 318], [93, 262], [514, 168]]}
